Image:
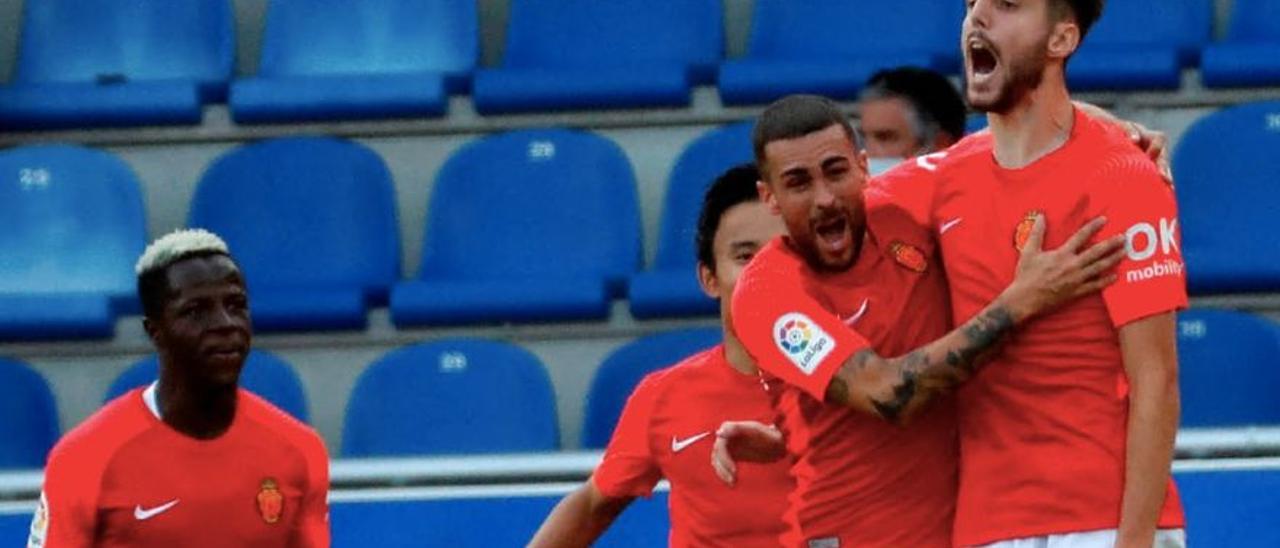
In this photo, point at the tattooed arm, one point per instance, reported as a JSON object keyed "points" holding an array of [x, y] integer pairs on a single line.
{"points": [[896, 388]]}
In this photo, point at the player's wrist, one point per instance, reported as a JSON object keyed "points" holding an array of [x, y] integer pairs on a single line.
{"points": [[1018, 302]]}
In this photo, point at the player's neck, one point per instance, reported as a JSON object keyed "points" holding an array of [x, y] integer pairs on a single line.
{"points": [[1035, 127], [196, 412], [736, 354]]}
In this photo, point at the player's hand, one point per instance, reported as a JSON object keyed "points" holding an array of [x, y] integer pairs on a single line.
{"points": [[1155, 144], [744, 441], [1046, 279]]}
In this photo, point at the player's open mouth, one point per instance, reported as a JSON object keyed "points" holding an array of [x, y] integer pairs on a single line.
{"points": [[982, 59], [226, 353], [833, 233]]}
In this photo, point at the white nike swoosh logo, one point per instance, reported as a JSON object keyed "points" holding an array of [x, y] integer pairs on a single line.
{"points": [[858, 315], [679, 445], [141, 515], [949, 225]]}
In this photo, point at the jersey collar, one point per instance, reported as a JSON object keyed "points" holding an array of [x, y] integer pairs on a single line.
{"points": [[149, 398]]}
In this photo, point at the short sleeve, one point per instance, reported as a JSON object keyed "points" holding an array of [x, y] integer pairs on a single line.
{"points": [[628, 468], [1151, 278], [905, 194], [313, 528], [785, 329], [67, 511]]}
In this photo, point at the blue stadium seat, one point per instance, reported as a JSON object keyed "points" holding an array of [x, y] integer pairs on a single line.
{"points": [[583, 54], [454, 396], [336, 59], [831, 47], [536, 225], [1229, 370], [109, 63], [1250, 55], [1142, 44], [1231, 508], [74, 225], [28, 416], [264, 374], [312, 221], [671, 287], [1226, 169], [619, 374]]}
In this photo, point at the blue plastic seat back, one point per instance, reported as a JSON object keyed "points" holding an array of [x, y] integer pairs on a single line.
{"points": [[332, 37], [623, 369], [103, 40], [1184, 25], [304, 212], [1218, 222], [264, 374], [706, 158], [28, 416], [1255, 21], [835, 29], [534, 204], [74, 221], [451, 397], [585, 34], [1229, 368]]}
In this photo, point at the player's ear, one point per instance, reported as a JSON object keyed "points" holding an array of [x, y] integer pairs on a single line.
{"points": [[707, 280], [153, 331], [768, 197], [862, 161], [1063, 39]]}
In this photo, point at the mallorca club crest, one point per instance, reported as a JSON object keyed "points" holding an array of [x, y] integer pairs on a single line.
{"points": [[1023, 231], [270, 501], [908, 256]]}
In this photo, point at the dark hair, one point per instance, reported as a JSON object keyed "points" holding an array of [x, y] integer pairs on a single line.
{"points": [[1086, 12], [937, 104], [735, 186], [153, 284], [795, 116]]}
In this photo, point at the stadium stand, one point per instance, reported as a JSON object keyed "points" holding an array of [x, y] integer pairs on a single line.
{"points": [[584, 54], [1229, 370], [105, 63], [1250, 54], [1116, 57], [534, 225], [670, 287], [619, 374], [1222, 252], [28, 416], [333, 59], [831, 47], [74, 224], [264, 374], [457, 396], [1227, 507], [312, 221]]}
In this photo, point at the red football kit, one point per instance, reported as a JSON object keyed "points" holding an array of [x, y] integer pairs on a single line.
{"points": [[1043, 427], [667, 430], [860, 482], [125, 478]]}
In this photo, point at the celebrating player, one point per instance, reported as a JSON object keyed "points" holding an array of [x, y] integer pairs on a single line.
{"points": [[191, 460], [668, 425], [854, 263]]}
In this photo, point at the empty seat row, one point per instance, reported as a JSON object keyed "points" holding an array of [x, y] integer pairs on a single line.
{"points": [[106, 63], [481, 396], [533, 225]]}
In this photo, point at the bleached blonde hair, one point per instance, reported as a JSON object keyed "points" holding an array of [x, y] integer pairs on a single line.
{"points": [[175, 245]]}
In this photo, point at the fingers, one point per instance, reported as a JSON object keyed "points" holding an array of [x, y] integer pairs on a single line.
{"points": [[1095, 285], [1083, 235], [1035, 240], [1101, 263], [723, 464], [1102, 249]]}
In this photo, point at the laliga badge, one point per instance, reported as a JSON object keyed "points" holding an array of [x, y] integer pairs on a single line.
{"points": [[1023, 231], [908, 256], [270, 501]]}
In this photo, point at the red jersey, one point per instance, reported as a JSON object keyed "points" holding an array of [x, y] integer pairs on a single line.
{"points": [[125, 478], [859, 480], [667, 430], [1043, 427]]}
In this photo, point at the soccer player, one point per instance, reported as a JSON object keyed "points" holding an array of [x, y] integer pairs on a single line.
{"points": [[668, 425], [1067, 438], [855, 273], [191, 460], [909, 111]]}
